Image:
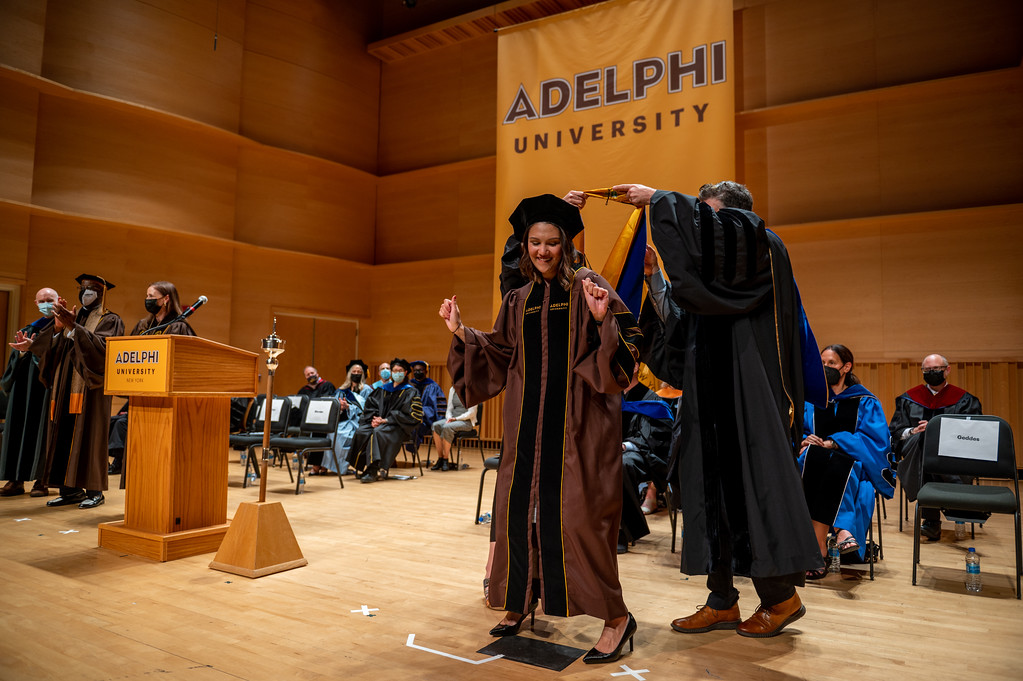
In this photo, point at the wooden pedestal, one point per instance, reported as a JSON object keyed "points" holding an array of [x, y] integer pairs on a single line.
{"points": [[259, 542]]}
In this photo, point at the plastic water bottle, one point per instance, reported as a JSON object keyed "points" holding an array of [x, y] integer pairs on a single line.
{"points": [[244, 458], [485, 518], [972, 571], [834, 559], [960, 530]]}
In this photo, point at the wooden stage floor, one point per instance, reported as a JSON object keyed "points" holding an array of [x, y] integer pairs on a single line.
{"points": [[409, 551]]}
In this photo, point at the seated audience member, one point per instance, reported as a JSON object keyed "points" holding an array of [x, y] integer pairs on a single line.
{"points": [[355, 380], [646, 439], [430, 394], [384, 371], [315, 385], [456, 418], [163, 305], [22, 452], [392, 413], [352, 396], [844, 458], [913, 409]]}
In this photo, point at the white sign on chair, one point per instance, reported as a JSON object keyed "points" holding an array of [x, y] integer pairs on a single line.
{"points": [[969, 439]]}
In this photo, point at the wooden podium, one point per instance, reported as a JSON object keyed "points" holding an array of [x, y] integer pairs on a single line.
{"points": [[179, 390]]}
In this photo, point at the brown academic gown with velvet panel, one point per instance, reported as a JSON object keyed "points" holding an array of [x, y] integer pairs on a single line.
{"points": [[76, 443], [562, 460]]}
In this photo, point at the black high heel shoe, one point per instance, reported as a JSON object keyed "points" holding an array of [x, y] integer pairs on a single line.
{"points": [[597, 657], [512, 629]]}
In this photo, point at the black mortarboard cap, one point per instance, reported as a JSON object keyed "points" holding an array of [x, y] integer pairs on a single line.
{"points": [[546, 208], [359, 362], [94, 277], [403, 362]]}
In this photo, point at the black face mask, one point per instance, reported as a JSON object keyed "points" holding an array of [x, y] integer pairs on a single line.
{"points": [[934, 377], [152, 305], [419, 375], [312, 379], [832, 375], [356, 378]]}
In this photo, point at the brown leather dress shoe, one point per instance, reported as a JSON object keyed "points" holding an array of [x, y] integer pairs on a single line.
{"points": [[708, 619], [767, 622], [12, 489], [39, 490]]}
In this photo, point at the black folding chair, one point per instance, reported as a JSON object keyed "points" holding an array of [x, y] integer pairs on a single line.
{"points": [[489, 464], [970, 448], [249, 441], [317, 425], [469, 435]]}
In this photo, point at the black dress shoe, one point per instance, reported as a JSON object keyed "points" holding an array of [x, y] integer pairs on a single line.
{"points": [[92, 502], [73, 498], [597, 657], [371, 474], [512, 629], [931, 529], [441, 465]]}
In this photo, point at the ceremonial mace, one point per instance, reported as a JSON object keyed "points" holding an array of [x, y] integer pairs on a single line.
{"points": [[273, 346], [260, 540]]}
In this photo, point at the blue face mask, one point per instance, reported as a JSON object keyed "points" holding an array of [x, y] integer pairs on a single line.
{"points": [[45, 309], [385, 374], [397, 377]]}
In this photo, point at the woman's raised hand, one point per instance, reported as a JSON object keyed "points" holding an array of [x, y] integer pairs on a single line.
{"points": [[596, 299], [450, 314]]}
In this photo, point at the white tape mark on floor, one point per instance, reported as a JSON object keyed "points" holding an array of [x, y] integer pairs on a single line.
{"points": [[410, 644]]}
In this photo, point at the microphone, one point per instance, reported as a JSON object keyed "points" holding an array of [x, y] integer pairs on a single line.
{"points": [[187, 312]]}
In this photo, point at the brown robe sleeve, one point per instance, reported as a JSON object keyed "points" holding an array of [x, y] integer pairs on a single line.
{"points": [[610, 352], [91, 348], [479, 365]]}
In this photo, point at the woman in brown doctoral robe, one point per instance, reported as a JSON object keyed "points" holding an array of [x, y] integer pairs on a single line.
{"points": [[563, 347]]}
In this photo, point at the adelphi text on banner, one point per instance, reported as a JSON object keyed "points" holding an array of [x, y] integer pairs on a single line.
{"points": [[625, 91]]}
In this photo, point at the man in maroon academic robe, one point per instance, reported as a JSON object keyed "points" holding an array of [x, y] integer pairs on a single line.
{"points": [[913, 409]]}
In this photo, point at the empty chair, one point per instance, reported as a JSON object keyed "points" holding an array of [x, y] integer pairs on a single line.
{"points": [[279, 414], [316, 426], [982, 446]]}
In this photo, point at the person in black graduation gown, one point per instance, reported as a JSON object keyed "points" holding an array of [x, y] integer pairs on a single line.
{"points": [[913, 409], [22, 454], [740, 347], [392, 412]]}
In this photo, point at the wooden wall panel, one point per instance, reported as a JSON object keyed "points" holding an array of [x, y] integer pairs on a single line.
{"points": [[113, 164], [14, 228], [442, 212], [427, 119], [299, 203], [406, 298], [60, 248], [267, 282], [159, 54], [18, 112], [792, 53], [888, 152], [308, 84], [910, 285], [22, 26]]}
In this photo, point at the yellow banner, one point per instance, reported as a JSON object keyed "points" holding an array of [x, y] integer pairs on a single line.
{"points": [[137, 366], [634, 91]]}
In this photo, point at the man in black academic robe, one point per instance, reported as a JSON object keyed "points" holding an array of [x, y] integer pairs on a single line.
{"points": [[739, 342], [913, 409], [22, 452], [316, 385], [392, 413]]}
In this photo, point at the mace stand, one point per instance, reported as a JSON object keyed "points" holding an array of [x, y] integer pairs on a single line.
{"points": [[260, 540]]}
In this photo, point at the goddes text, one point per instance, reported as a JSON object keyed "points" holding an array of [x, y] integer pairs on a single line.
{"points": [[599, 87]]}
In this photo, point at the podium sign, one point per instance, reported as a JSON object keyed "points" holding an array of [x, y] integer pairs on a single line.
{"points": [[176, 456], [139, 365]]}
